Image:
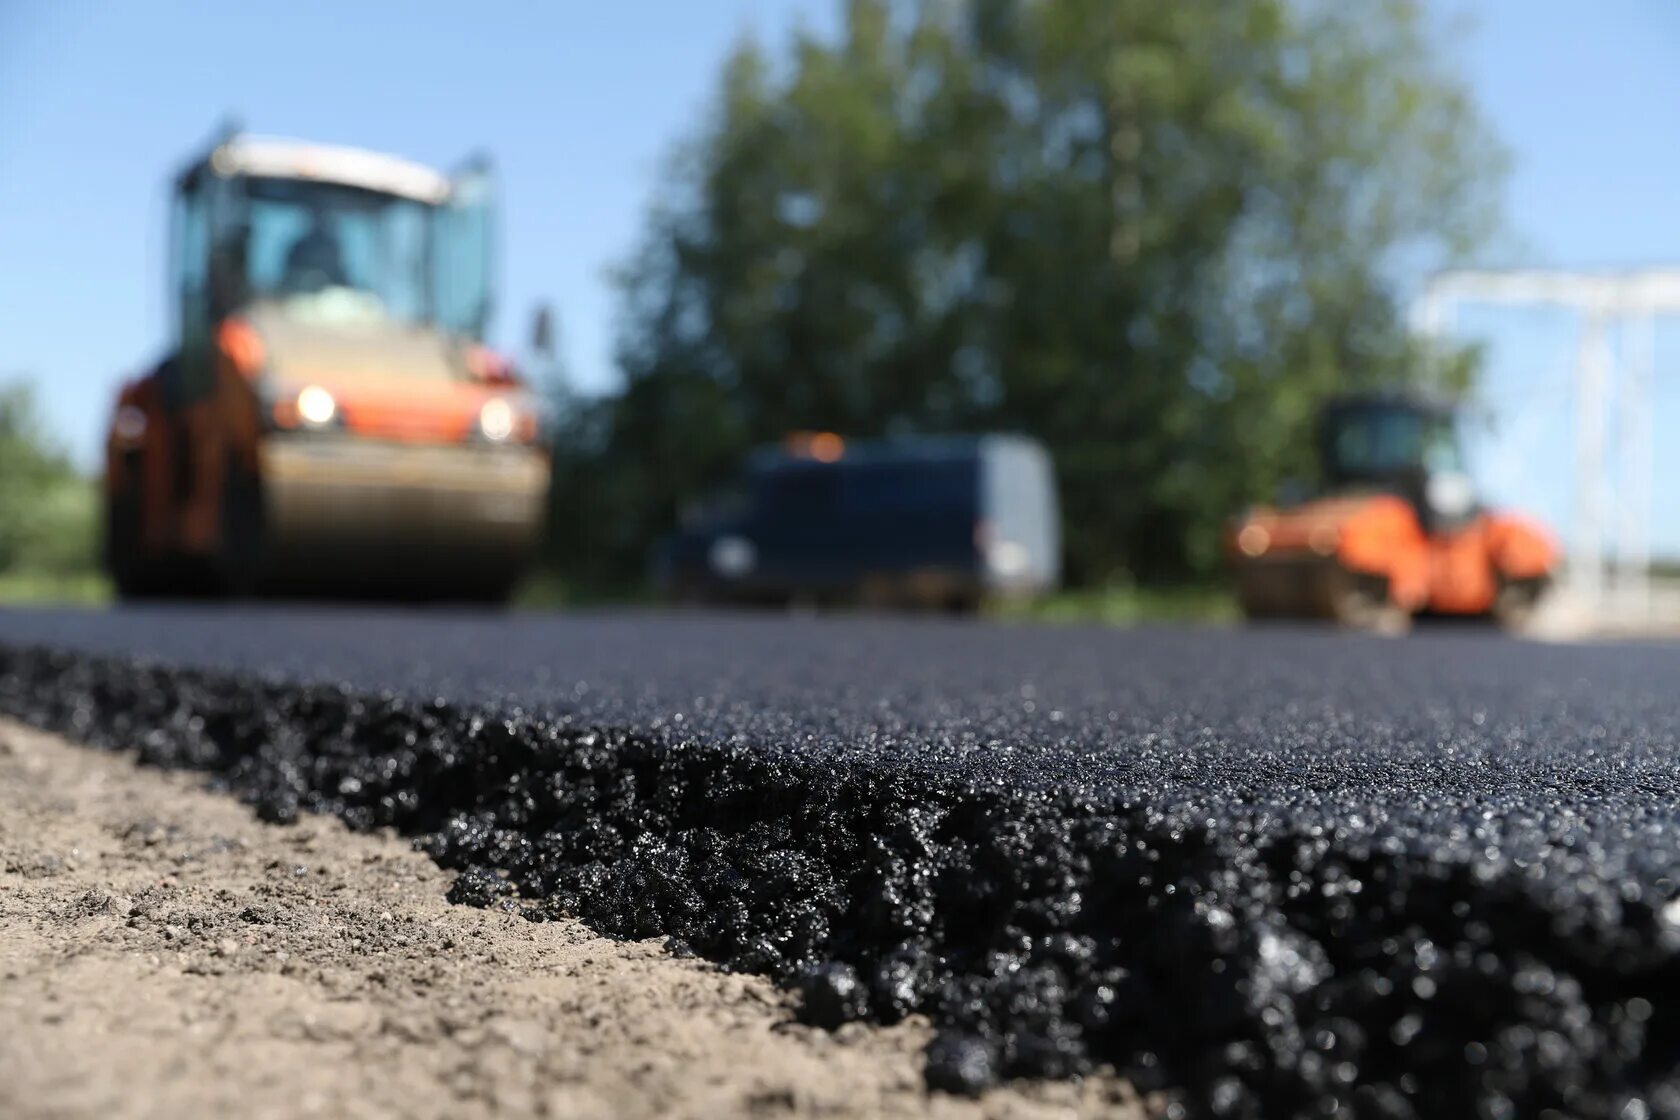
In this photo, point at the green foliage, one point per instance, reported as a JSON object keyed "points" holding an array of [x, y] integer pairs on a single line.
{"points": [[1153, 235], [34, 587], [1131, 605], [47, 512]]}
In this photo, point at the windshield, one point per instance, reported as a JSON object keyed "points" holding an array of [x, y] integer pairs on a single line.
{"points": [[905, 487], [1379, 442], [309, 241]]}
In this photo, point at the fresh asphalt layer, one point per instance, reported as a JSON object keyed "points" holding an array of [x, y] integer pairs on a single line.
{"points": [[1265, 872]]}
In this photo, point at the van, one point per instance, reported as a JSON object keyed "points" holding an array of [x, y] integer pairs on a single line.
{"points": [[931, 523]]}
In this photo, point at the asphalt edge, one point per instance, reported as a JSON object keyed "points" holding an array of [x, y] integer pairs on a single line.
{"points": [[1043, 935]]}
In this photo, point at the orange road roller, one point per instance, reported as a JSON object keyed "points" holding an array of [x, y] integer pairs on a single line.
{"points": [[1398, 532], [328, 419]]}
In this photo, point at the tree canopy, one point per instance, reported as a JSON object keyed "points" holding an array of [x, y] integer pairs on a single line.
{"points": [[1152, 235], [46, 510]]}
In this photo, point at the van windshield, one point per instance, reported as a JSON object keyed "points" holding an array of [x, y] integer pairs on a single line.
{"points": [[879, 488]]}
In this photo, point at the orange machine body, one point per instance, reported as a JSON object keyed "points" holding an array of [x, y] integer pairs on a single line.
{"points": [[149, 447], [170, 464], [168, 469], [1456, 571]]}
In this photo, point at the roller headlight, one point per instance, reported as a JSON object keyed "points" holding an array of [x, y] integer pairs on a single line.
{"points": [[1254, 540], [496, 420], [316, 407]]}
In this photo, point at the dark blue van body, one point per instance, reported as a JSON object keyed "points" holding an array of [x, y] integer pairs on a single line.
{"points": [[943, 522]]}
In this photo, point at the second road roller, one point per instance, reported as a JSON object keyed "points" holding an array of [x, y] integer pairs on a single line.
{"points": [[1398, 531], [327, 419]]}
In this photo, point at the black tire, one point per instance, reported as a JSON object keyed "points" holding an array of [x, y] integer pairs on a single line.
{"points": [[962, 604], [686, 591], [1360, 602], [132, 575], [237, 567], [1257, 609], [135, 576], [1518, 599], [490, 594]]}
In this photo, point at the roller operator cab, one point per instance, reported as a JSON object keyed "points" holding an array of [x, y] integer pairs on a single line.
{"points": [[327, 418], [929, 523], [1398, 531]]}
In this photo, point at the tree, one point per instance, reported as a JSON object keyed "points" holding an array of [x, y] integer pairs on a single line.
{"points": [[1152, 235], [46, 509]]}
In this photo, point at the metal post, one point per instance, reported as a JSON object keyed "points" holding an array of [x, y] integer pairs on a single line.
{"points": [[1586, 546], [1634, 548]]}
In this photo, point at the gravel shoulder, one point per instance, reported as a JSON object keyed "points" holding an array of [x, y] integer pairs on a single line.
{"points": [[163, 953]]}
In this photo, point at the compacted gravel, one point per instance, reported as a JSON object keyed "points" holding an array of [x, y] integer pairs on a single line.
{"points": [[1257, 873], [163, 954]]}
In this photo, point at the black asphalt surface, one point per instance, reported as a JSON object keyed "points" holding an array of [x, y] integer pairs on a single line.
{"points": [[1269, 872]]}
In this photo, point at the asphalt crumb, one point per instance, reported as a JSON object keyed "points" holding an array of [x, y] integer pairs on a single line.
{"points": [[1229, 969], [175, 965]]}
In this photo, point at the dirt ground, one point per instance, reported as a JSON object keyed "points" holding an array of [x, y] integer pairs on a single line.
{"points": [[163, 953]]}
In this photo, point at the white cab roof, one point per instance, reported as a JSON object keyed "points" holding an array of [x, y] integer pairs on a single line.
{"points": [[273, 157]]}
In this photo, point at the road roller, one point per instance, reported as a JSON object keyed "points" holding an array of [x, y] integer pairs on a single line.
{"points": [[328, 419], [1398, 530]]}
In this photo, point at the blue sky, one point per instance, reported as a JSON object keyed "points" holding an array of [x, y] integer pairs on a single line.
{"points": [[1583, 96], [579, 103]]}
